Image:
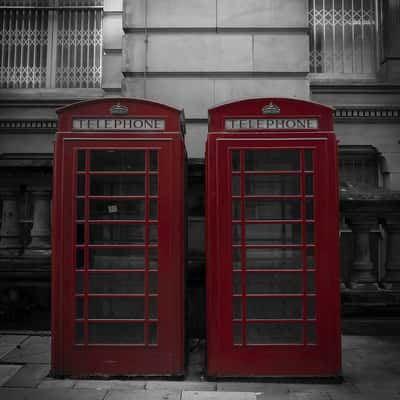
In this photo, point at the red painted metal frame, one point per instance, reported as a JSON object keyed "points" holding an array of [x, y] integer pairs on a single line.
{"points": [[167, 357], [224, 359]]}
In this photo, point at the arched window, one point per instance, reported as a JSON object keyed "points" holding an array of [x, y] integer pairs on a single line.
{"points": [[50, 43], [343, 36]]}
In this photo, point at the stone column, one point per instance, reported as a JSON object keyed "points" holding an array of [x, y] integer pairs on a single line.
{"points": [[363, 274], [41, 229], [392, 268], [10, 235]]}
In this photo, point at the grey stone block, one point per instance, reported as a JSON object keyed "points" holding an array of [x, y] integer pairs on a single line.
{"points": [[194, 395], [34, 350], [7, 372], [51, 394], [109, 384], [181, 385], [143, 395], [29, 376], [56, 384]]}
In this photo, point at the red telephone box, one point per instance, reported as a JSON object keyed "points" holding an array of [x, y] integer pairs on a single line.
{"points": [[273, 305], [118, 239]]}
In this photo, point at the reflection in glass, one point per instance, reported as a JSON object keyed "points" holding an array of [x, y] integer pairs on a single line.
{"points": [[274, 308], [235, 185], [273, 209], [153, 212], [117, 160], [126, 283], [310, 282], [237, 283], [310, 234], [117, 209], [309, 208], [153, 233], [273, 234], [272, 184], [274, 282], [153, 185], [153, 282], [116, 234], [236, 236], [117, 185], [237, 333], [153, 258], [274, 259], [237, 307], [310, 307], [153, 333], [153, 160], [116, 258], [310, 253], [235, 209], [274, 333], [235, 160], [237, 258], [116, 333], [152, 307], [309, 184], [116, 308], [272, 160]]}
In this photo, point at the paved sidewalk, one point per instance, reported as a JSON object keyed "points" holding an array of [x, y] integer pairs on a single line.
{"points": [[371, 369]]}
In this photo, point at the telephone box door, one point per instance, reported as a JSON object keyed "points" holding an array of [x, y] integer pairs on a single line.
{"points": [[118, 276], [272, 273]]}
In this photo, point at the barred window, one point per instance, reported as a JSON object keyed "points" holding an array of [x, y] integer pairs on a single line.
{"points": [[50, 43], [343, 36]]}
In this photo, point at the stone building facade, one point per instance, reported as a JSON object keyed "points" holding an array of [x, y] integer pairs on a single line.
{"points": [[196, 54]]}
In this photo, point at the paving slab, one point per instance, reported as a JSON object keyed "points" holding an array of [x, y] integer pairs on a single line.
{"points": [[50, 383], [7, 372], [5, 349], [109, 384], [198, 395], [143, 395], [51, 394], [311, 388], [12, 339], [29, 376], [310, 396], [258, 387], [36, 349], [181, 385]]}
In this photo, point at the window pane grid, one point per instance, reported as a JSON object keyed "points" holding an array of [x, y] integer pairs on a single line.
{"points": [[107, 300], [304, 292]]}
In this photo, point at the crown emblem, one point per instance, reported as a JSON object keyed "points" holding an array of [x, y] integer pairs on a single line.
{"points": [[119, 109], [271, 108]]}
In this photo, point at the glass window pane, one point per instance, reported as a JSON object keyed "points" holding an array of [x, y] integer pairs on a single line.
{"points": [[235, 209], [153, 282], [309, 184], [80, 233], [310, 258], [273, 234], [153, 233], [311, 307], [274, 333], [116, 258], [116, 308], [116, 282], [153, 160], [236, 185], [308, 160], [80, 209], [116, 234], [310, 234], [153, 258], [153, 185], [117, 160], [274, 308], [237, 258], [236, 233], [274, 259], [272, 160], [237, 283], [237, 333], [237, 307], [81, 160], [80, 189], [152, 307], [272, 184], [235, 160], [310, 209], [79, 261], [79, 282], [273, 209], [117, 209], [310, 282], [274, 282], [116, 333], [153, 333], [153, 212], [79, 308], [117, 185]]}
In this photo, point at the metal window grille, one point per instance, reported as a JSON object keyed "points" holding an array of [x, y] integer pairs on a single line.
{"points": [[47, 44], [343, 36]]}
